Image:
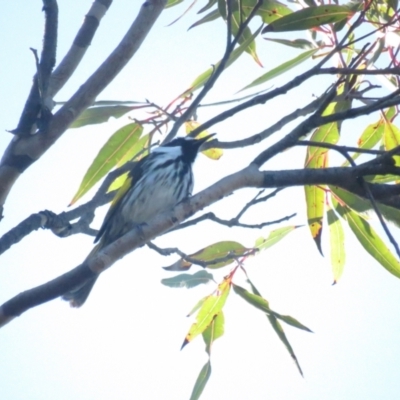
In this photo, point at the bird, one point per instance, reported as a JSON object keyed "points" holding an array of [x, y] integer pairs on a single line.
{"points": [[155, 184]]}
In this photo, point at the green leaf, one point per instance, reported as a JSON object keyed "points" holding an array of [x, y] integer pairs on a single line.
{"points": [[296, 43], [280, 69], [315, 202], [274, 237], [214, 331], [309, 18], [262, 304], [277, 328], [201, 381], [188, 281], [207, 6], [209, 309], [338, 255], [197, 306], [201, 80], [117, 146], [391, 139], [373, 133], [362, 205], [245, 36], [172, 3], [98, 115], [228, 249], [211, 16], [135, 153], [369, 239]]}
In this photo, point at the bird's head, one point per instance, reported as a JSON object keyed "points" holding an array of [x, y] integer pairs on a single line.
{"points": [[185, 147]]}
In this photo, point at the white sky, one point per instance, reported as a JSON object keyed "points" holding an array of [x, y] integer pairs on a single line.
{"points": [[124, 343]]}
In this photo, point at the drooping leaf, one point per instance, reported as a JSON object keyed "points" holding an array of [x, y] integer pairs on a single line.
{"points": [[119, 144], [317, 157], [214, 331], [201, 80], [188, 281], [209, 309], [213, 154], [98, 115], [201, 381], [369, 239], [309, 18], [262, 304], [315, 200], [338, 254], [280, 69], [274, 237], [277, 328]]}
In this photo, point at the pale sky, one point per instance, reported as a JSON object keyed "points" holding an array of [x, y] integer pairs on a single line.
{"points": [[124, 343]]}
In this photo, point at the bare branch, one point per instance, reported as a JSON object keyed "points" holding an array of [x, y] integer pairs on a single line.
{"points": [[79, 46]]}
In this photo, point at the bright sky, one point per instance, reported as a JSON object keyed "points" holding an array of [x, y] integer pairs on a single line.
{"points": [[124, 343]]}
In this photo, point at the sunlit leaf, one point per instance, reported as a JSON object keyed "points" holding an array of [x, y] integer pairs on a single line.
{"points": [[262, 304], [338, 255], [214, 154], [98, 115], [315, 201], [373, 133], [280, 69], [197, 306], [208, 310], [274, 237], [228, 249], [188, 281], [214, 331], [117, 146], [369, 239], [309, 18], [201, 381], [391, 138]]}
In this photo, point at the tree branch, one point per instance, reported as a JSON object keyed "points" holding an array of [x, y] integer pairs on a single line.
{"points": [[24, 151], [347, 178]]}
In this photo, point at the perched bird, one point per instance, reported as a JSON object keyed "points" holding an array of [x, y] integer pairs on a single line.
{"points": [[154, 185]]}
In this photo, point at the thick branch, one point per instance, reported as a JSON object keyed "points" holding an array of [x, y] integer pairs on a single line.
{"points": [[346, 178]]}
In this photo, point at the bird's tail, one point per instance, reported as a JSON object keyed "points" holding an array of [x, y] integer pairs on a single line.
{"points": [[78, 295]]}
